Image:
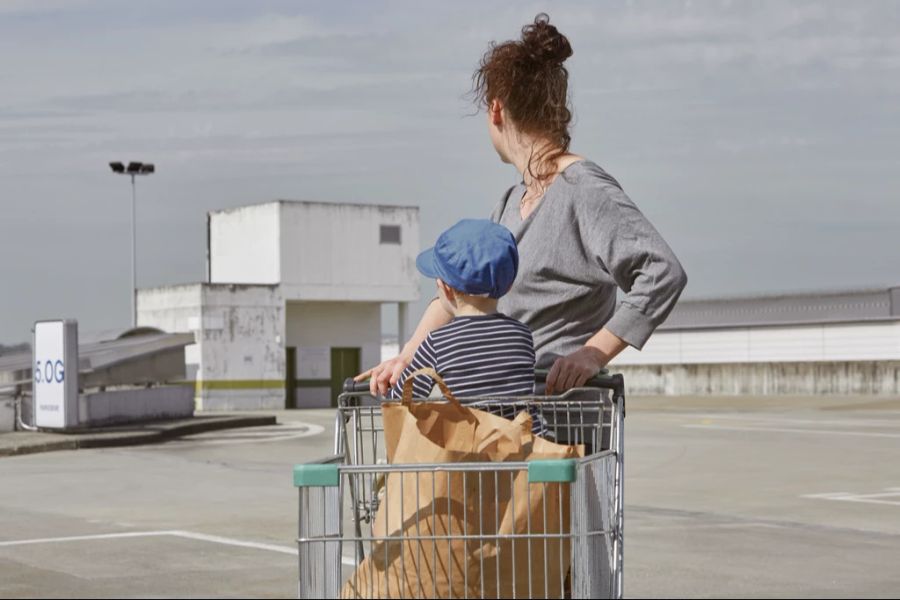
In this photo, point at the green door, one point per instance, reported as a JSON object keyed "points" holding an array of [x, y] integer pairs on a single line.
{"points": [[345, 362], [290, 377]]}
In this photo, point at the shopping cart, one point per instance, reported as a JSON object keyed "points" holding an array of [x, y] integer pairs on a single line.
{"points": [[340, 495]]}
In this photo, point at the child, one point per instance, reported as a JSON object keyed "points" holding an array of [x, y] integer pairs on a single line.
{"points": [[480, 352]]}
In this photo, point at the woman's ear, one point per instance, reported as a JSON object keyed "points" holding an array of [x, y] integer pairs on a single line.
{"points": [[495, 111]]}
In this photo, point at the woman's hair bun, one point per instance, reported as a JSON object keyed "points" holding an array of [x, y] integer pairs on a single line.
{"points": [[544, 42]]}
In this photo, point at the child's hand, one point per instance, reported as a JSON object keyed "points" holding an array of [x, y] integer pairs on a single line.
{"points": [[383, 377]]}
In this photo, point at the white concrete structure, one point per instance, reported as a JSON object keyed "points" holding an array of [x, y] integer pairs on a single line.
{"points": [[237, 360], [293, 302], [318, 251], [798, 343], [830, 342]]}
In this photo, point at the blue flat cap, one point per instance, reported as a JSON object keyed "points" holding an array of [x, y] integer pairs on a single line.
{"points": [[475, 256]]}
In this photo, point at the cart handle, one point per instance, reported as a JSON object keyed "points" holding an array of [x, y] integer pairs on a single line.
{"points": [[602, 379]]}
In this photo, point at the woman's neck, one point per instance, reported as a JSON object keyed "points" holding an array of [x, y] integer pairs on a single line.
{"points": [[524, 154]]}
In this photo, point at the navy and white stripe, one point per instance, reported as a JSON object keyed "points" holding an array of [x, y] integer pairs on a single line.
{"points": [[477, 356]]}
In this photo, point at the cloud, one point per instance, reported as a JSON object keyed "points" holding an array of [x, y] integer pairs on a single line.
{"points": [[748, 132], [30, 8]]}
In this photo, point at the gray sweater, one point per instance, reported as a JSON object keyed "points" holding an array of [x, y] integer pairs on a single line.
{"points": [[583, 240]]}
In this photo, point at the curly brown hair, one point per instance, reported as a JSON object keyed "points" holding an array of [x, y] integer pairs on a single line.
{"points": [[528, 77]]}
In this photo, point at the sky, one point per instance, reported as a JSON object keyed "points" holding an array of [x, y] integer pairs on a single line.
{"points": [[762, 139]]}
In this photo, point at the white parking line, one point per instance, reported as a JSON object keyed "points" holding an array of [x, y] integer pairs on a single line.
{"points": [[278, 435], [879, 498], [217, 539], [190, 535], [794, 430], [80, 538], [238, 433], [313, 430], [865, 423]]}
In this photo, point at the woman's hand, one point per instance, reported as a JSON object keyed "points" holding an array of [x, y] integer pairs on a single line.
{"points": [[384, 376], [574, 370]]}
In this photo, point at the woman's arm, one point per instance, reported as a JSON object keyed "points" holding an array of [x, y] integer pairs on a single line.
{"points": [[643, 265], [384, 376]]}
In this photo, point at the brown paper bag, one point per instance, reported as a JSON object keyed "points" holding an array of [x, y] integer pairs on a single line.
{"points": [[445, 503]]}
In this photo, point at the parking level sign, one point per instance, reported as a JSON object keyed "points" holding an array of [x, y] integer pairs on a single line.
{"points": [[55, 374]]}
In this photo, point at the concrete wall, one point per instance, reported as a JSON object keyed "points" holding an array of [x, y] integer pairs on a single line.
{"points": [[174, 309], [333, 252], [800, 378], [242, 332], [135, 405], [829, 358], [115, 407], [238, 360], [163, 366], [171, 308], [7, 414], [316, 327], [866, 341], [244, 244], [241, 348]]}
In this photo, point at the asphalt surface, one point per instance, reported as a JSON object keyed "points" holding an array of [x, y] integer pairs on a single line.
{"points": [[134, 434], [751, 497]]}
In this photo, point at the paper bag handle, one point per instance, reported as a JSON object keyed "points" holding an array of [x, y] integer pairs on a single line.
{"points": [[408, 385]]}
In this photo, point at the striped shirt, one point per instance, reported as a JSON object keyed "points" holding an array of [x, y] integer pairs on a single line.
{"points": [[478, 356]]}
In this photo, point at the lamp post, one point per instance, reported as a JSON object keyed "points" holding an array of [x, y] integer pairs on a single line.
{"points": [[133, 169]]}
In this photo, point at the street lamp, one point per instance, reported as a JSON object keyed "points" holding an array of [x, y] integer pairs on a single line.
{"points": [[133, 169]]}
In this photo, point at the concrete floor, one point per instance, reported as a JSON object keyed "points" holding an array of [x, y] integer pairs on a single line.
{"points": [[765, 497]]}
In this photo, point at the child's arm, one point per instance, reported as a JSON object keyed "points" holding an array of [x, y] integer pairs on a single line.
{"points": [[385, 375], [425, 357]]}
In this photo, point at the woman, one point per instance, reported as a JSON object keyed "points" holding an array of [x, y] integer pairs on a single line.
{"points": [[579, 236]]}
